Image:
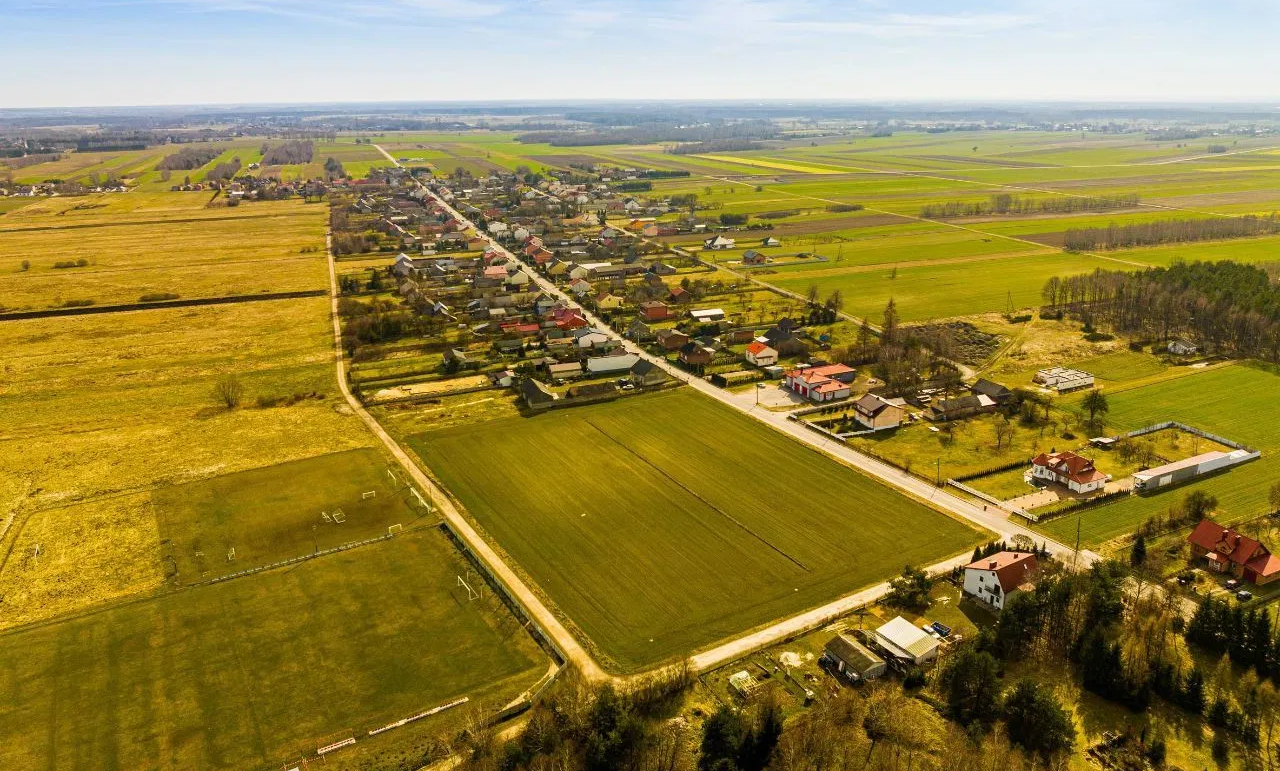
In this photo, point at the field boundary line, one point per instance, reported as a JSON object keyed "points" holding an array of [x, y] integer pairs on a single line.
{"points": [[175, 221], [90, 310], [704, 501]]}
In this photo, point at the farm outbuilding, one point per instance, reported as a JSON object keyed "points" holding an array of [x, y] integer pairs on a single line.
{"points": [[1189, 468], [1063, 379], [906, 641], [853, 659]]}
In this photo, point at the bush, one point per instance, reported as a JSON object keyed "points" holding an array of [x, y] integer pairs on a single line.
{"points": [[157, 296], [62, 264], [269, 401], [77, 303], [837, 208]]}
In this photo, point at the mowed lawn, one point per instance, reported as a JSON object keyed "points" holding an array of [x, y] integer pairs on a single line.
{"points": [[253, 672], [664, 523], [1238, 402]]}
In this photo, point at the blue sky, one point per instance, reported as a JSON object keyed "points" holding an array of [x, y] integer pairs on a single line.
{"points": [[143, 52]]}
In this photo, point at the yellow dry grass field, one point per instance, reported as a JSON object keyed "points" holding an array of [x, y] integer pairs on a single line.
{"points": [[111, 257], [65, 558], [102, 407]]}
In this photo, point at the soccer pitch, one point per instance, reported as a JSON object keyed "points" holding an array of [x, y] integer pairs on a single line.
{"points": [[664, 523]]}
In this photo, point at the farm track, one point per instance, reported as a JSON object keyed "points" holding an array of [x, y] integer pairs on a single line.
{"points": [[984, 519]]}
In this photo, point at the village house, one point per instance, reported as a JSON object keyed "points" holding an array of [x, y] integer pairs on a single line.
{"points": [[876, 413], [993, 580], [1063, 379], [679, 295], [1076, 472], [770, 241], [760, 354], [654, 310], [1182, 347], [695, 354], [783, 339], [646, 374], [825, 383], [671, 339], [639, 331], [960, 407], [609, 302], [753, 257], [536, 395], [718, 243], [1226, 551], [589, 337]]}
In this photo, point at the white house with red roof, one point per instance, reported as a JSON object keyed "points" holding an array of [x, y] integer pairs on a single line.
{"points": [[1066, 468], [761, 354], [825, 383], [993, 580]]}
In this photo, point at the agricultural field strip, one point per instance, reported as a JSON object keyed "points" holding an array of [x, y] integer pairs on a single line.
{"points": [[1033, 244]]}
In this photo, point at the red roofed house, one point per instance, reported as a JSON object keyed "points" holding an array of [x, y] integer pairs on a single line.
{"points": [[761, 354], [654, 310], [1228, 551], [568, 318], [992, 580], [1067, 468], [822, 384]]}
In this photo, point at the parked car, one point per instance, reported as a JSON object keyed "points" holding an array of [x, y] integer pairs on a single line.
{"points": [[1232, 583], [1244, 595], [1186, 578], [941, 628]]}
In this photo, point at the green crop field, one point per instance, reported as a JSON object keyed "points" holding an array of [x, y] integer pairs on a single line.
{"points": [[256, 671], [664, 523], [1238, 402]]}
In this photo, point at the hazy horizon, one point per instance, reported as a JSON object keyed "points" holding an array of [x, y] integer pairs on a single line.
{"points": [[145, 53]]}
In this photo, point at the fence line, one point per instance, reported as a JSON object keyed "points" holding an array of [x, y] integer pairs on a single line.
{"points": [[992, 500], [294, 560], [1151, 429]]}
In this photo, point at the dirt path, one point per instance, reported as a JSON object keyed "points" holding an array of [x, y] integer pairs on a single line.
{"points": [[528, 600]]}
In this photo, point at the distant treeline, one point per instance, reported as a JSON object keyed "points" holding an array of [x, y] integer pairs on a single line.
{"points": [[649, 134], [632, 186], [187, 158], [1005, 203], [663, 174], [224, 171], [297, 151], [31, 160], [1170, 232], [715, 146], [1228, 307]]}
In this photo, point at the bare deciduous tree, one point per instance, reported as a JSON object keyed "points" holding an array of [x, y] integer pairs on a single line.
{"points": [[228, 391]]}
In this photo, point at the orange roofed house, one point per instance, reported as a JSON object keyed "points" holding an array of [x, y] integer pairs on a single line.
{"points": [[822, 384], [992, 580], [1227, 551], [1067, 468]]}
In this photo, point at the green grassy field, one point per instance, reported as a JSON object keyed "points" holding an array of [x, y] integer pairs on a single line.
{"points": [[1237, 402], [664, 523], [265, 521], [256, 671]]}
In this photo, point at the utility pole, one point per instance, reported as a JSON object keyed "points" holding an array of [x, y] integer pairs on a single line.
{"points": [[1076, 553], [938, 482]]}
